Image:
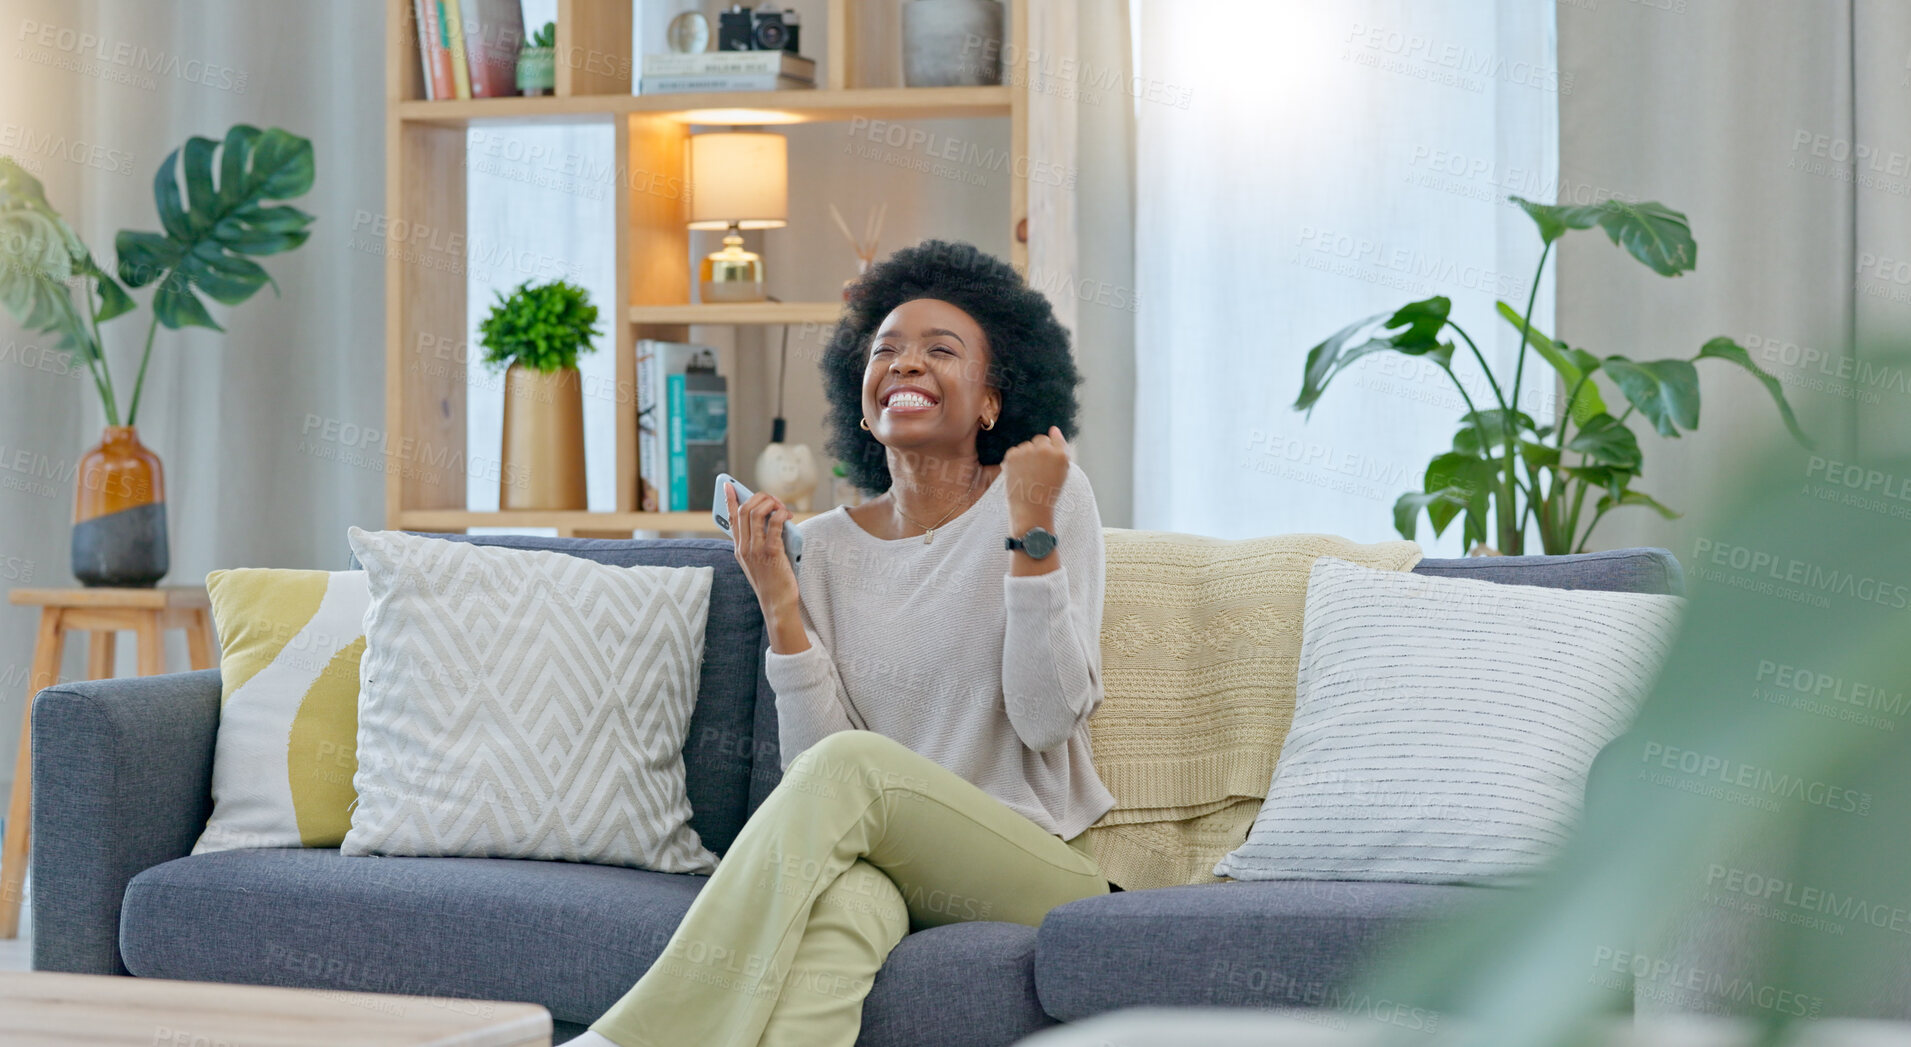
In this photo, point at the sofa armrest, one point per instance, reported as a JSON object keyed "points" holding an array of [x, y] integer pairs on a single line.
{"points": [[122, 781]]}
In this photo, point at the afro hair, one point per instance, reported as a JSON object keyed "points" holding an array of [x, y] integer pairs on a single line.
{"points": [[1030, 364]]}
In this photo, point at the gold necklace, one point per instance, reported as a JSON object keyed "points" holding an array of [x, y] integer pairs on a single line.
{"points": [[929, 535]]}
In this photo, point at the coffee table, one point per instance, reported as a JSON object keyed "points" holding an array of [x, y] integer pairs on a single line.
{"points": [[49, 1009]]}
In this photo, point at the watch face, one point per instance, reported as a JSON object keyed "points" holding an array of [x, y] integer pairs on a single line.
{"points": [[1038, 542]]}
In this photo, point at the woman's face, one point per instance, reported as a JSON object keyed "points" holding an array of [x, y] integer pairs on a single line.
{"points": [[931, 346]]}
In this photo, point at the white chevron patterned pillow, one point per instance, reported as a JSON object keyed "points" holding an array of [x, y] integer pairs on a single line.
{"points": [[1444, 727], [522, 703]]}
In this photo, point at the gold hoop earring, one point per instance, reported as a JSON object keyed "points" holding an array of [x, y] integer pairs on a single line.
{"points": [[990, 424], [865, 423]]}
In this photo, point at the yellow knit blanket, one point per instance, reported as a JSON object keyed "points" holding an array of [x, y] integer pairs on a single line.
{"points": [[1200, 641]]}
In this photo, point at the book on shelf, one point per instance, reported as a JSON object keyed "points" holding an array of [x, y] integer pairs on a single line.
{"points": [[434, 49], [683, 426], [493, 35], [714, 63], [460, 65], [676, 85]]}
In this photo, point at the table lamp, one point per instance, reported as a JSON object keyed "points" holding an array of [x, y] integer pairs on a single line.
{"points": [[738, 180]]}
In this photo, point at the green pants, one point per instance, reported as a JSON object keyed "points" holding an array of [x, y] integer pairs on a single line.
{"points": [[863, 841]]}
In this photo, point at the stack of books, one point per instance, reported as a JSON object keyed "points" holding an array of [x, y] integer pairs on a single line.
{"points": [[470, 47], [683, 426], [680, 73]]}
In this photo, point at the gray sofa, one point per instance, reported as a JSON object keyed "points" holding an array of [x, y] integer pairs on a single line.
{"points": [[121, 780]]}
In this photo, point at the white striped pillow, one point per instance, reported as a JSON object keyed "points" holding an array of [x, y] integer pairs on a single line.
{"points": [[1444, 727]]}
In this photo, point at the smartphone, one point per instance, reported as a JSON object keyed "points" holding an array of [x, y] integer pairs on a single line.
{"points": [[720, 509]]}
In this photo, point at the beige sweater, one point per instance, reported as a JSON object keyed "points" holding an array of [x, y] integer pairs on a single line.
{"points": [[938, 647], [1201, 646]]}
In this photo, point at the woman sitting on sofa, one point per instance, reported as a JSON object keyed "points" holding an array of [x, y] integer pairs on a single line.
{"points": [[936, 655]]}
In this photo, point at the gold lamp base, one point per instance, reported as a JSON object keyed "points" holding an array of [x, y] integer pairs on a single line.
{"points": [[732, 274]]}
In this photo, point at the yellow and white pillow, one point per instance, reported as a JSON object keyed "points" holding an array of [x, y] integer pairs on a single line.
{"points": [[287, 748]]}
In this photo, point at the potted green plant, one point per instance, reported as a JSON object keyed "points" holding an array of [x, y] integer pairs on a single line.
{"points": [[537, 62], [535, 336], [1508, 471], [212, 229]]}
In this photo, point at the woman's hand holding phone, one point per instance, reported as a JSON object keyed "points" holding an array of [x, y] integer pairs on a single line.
{"points": [[756, 528]]}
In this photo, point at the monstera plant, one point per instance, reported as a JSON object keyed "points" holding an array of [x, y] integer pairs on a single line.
{"points": [[1507, 472], [213, 225]]}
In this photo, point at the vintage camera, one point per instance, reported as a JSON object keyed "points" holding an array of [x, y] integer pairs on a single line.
{"points": [[764, 29]]}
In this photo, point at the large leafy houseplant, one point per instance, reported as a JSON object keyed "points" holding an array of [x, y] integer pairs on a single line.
{"points": [[212, 230], [1508, 472]]}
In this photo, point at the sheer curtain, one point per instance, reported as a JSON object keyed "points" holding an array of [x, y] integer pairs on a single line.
{"points": [[1797, 182], [1299, 167]]}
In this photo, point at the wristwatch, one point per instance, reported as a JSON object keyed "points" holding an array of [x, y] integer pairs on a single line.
{"points": [[1037, 542]]}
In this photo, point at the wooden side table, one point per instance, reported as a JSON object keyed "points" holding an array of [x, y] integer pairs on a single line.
{"points": [[103, 614]]}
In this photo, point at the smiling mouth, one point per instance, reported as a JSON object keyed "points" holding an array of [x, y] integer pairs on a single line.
{"points": [[906, 404]]}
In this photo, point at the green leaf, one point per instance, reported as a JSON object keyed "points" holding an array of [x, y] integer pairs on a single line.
{"points": [[1441, 507], [1612, 478], [1631, 497], [143, 257], [1650, 231], [1653, 233], [1665, 391], [176, 306], [1331, 356], [1455, 483], [232, 181], [172, 213], [1419, 326], [39, 255], [227, 278], [1571, 364], [202, 199], [281, 166], [203, 243], [1476, 480], [114, 301], [1467, 439], [1539, 456], [1606, 440], [1723, 348], [1553, 220]]}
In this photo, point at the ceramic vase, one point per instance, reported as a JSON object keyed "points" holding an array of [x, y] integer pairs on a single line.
{"points": [[543, 462], [119, 513]]}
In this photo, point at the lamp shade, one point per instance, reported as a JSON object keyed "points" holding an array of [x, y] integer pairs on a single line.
{"points": [[739, 177]]}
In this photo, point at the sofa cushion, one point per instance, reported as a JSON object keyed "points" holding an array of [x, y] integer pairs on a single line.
{"points": [[920, 999], [1264, 944], [572, 937], [1639, 570], [719, 750]]}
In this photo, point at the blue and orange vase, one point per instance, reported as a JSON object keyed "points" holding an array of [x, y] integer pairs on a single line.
{"points": [[119, 514]]}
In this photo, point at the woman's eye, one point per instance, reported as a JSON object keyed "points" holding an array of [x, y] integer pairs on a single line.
{"points": [[943, 349], [881, 349]]}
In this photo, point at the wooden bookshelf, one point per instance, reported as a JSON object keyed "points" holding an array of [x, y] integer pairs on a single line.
{"points": [[776, 107], [425, 289]]}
